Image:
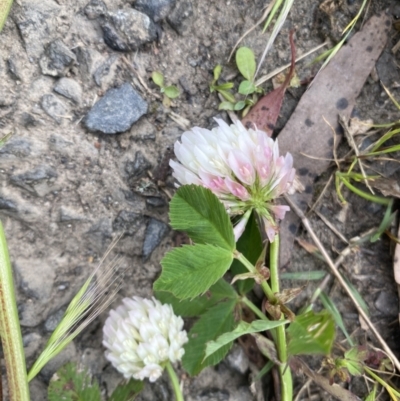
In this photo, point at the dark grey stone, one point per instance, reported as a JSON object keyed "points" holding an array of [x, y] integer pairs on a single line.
{"points": [[128, 29], [13, 68], [128, 222], [7, 204], [42, 172], [154, 201], [27, 120], [212, 394], [387, 303], [56, 59], [116, 111], [17, 146], [138, 167], [100, 233], [54, 107], [104, 69], [70, 89], [157, 10], [53, 320], [155, 231], [180, 17], [95, 9]]}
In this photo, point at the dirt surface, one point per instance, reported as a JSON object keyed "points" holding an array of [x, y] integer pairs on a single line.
{"points": [[66, 189]]}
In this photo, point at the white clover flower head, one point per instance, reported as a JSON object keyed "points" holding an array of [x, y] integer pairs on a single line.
{"points": [[141, 336], [241, 166]]}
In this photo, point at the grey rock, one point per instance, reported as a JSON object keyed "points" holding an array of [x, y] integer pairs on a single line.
{"points": [[70, 89], [155, 231], [7, 99], [53, 320], [128, 29], [34, 177], [69, 215], [95, 9], [100, 233], [238, 360], [56, 59], [138, 167], [159, 390], [68, 354], [14, 68], [180, 17], [157, 10], [60, 145], [8, 204], [387, 303], [88, 60], [54, 107], [27, 120], [93, 359], [154, 201], [104, 69], [34, 23], [212, 394], [116, 111], [38, 390], [32, 342], [17, 146], [31, 313], [128, 222]]}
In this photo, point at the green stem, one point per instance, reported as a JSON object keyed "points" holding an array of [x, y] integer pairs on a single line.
{"points": [[395, 395], [254, 308], [174, 382], [265, 286], [284, 369], [10, 329]]}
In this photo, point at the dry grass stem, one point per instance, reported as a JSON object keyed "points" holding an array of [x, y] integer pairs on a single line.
{"points": [[342, 282], [321, 195], [331, 227]]}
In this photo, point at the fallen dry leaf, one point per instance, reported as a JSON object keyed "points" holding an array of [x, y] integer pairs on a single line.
{"points": [[387, 186], [334, 91]]}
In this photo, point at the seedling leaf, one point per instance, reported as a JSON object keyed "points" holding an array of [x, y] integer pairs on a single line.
{"points": [[158, 78], [171, 91], [246, 62], [246, 88], [217, 72], [226, 106], [239, 105]]}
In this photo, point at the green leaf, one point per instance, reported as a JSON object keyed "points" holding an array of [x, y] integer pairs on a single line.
{"points": [[250, 245], [225, 86], [127, 391], [241, 329], [246, 62], [246, 88], [199, 212], [216, 321], [304, 276], [171, 91], [217, 72], [158, 78], [353, 361], [311, 333], [191, 270], [73, 384], [227, 95], [331, 307], [189, 308], [226, 106], [239, 105]]}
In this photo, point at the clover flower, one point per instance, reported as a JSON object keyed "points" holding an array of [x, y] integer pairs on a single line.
{"points": [[142, 336], [242, 167]]}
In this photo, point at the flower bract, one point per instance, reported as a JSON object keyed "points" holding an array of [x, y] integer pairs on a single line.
{"points": [[141, 336], [241, 166]]}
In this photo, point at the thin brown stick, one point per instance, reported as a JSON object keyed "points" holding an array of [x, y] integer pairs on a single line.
{"points": [[331, 226], [336, 273]]}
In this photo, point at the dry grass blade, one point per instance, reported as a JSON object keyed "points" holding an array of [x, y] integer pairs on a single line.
{"points": [[342, 282], [265, 15], [331, 226]]}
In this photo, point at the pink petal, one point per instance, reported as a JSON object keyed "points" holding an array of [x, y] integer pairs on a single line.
{"points": [[242, 167], [241, 225], [270, 229], [237, 189], [279, 211]]}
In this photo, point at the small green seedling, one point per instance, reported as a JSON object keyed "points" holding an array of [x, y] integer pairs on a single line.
{"points": [[169, 91], [246, 64]]}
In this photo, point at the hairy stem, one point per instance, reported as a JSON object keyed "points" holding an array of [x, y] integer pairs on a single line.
{"points": [[10, 329]]}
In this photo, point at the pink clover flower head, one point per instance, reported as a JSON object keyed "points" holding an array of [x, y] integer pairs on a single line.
{"points": [[241, 166], [141, 336]]}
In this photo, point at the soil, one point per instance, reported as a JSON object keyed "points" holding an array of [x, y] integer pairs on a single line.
{"points": [[66, 191]]}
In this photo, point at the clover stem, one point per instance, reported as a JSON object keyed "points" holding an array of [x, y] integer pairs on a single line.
{"points": [[174, 382]]}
